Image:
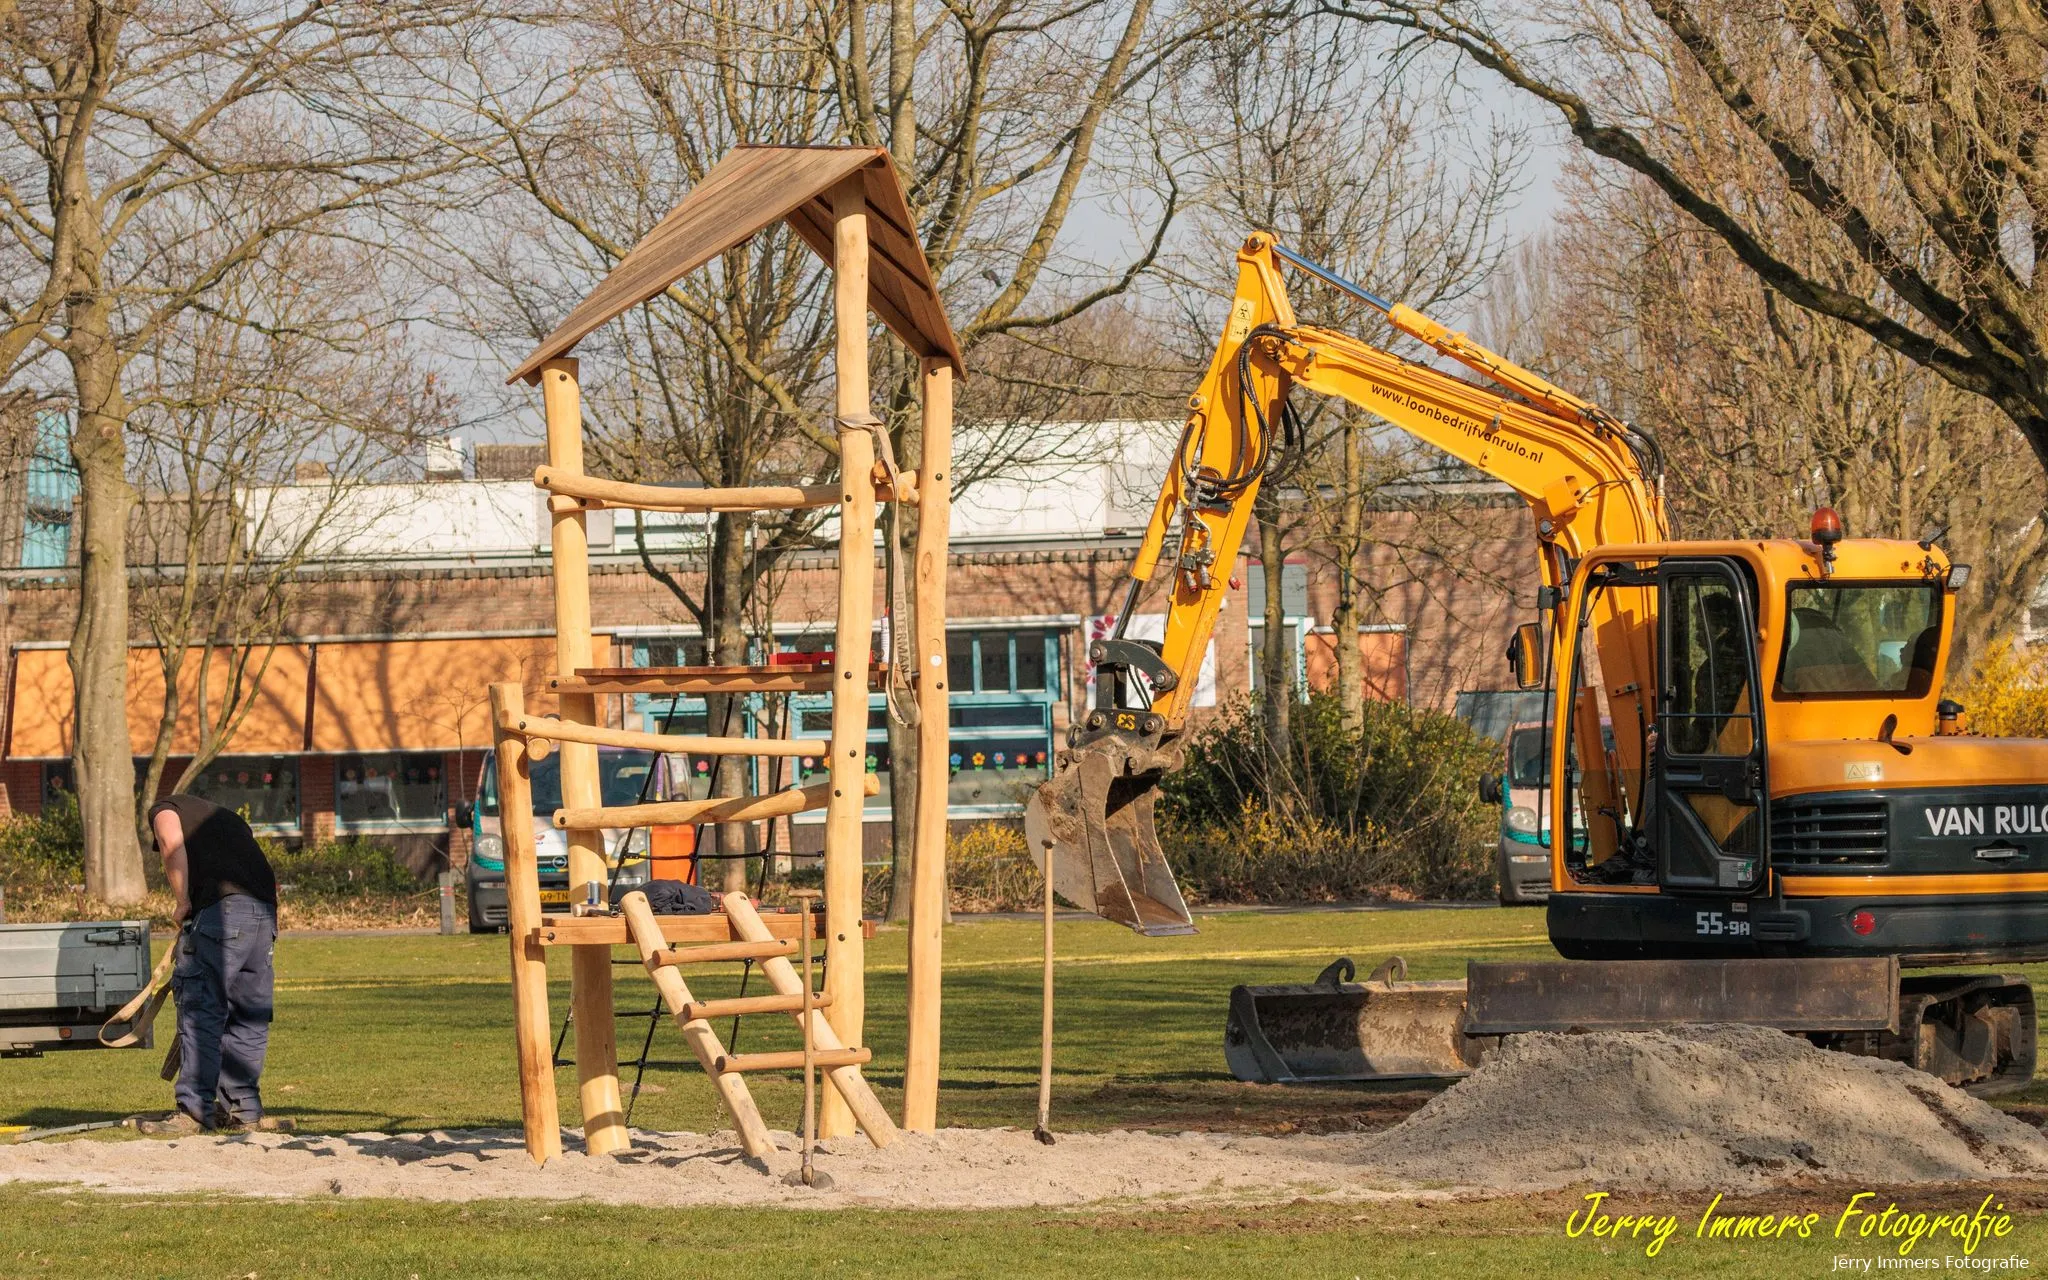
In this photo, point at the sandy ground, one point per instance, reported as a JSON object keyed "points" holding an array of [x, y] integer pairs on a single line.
{"points": [[1722, 1108]]}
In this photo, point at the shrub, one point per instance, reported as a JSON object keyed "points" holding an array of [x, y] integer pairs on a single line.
{"points": [[2007, 693], [1388, 810], [46, 845], [991, 870], [346, 867]]}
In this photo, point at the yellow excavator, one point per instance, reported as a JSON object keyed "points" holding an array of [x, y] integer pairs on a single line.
{"points": [[1770, 806]]}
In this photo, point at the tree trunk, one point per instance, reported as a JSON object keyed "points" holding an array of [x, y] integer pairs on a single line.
{"points": [[102, 762], [1350, 542], [727, 646], [1276, 667]]}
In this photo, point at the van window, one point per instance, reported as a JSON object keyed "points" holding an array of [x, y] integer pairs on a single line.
{"points": [[620, 777]]}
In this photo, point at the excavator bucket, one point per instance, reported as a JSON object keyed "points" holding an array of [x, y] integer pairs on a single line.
{"points": [[1385, 1028], [1093, 818]]}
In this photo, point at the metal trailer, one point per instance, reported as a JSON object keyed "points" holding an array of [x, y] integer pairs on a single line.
{"points": [[60, 982]]}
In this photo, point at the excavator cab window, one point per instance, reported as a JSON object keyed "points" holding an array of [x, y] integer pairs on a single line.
{"points": [[1860, 639], [1708, 822]]}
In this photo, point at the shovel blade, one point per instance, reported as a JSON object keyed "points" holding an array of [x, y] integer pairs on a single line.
{"points": [[1094, 819], [1347, 1031]]}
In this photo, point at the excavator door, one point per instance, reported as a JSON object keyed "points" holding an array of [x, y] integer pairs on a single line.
{"points": [[1711, 821]]}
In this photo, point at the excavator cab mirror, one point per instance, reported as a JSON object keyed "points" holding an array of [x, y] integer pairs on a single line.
{"points": [[1525, 655]]}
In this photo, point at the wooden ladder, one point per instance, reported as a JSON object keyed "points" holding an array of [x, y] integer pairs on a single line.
{"points": [[839, 1064]]}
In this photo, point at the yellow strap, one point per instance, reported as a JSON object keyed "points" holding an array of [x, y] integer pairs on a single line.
{"points": [[140, 1013]]}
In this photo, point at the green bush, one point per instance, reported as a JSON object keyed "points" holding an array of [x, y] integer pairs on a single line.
{"points": [[46, 847], [338, 868], [1390, 810]]}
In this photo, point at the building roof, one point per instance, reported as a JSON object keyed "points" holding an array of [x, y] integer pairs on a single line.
{"points": [[749, 190]]}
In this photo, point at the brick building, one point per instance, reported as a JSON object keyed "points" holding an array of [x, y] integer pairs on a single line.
{"points": [[373, 721]]}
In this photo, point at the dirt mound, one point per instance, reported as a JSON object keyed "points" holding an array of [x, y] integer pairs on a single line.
{"points": [[1725, 1107]]}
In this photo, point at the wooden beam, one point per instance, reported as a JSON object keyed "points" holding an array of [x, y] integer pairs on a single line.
{"points": [[697, 1033], [590, 992], [538, 1112], [566, 730], [845, 956], [610, 931], [654, 681], [575, 493], [727, 809], [934, 750], [847, 1083], [592, 493]]}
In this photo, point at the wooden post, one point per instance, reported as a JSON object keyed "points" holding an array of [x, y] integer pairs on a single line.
{"points": [[697, 1033], [934, 748], [1044, 1130], [530, 1022], [590, 992], [844, 949]]}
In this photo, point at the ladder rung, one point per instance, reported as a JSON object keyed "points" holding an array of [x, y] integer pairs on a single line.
{"points": [[600, 735], [751, 1004], [717, 951], [792, 1060]]}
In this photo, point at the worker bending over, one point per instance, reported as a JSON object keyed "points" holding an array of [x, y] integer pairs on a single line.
{"points": [[227, 917]]}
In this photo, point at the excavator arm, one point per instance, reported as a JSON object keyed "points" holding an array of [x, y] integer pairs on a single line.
{"points": [[1587, 477]]}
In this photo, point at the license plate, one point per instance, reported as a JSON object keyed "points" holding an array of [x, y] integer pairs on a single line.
{"points": [[554, 897]]}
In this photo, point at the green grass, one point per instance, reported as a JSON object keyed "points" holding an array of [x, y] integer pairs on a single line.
{"points": [[414, 1032], [58, 1232], [398, 1033]]}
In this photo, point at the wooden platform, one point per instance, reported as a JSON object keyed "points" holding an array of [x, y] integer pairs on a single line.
{"points": [[790, 678], [567, 930]]}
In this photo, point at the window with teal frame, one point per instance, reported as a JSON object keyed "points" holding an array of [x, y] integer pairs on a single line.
{"points": [[683, 713], [1004, 682]]}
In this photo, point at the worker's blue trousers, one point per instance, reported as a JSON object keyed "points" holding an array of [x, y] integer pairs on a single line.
{"points": [[223, 983]]}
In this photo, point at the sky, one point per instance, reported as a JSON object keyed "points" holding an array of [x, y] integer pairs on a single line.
{"points": [[1104, 222]]}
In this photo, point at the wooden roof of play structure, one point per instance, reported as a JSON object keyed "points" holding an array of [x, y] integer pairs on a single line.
{"points": [[752, 188]]}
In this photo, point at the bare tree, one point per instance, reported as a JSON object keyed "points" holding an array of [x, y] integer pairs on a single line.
{"points": [[1766, 411], [1908, 135], [1005, 118], [1295, 130], [258, 426], [153, 148]]}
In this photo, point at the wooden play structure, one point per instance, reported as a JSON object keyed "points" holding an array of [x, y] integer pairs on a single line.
{"points": [[846, 204]]}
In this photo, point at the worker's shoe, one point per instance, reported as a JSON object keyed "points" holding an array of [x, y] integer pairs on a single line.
{"points": [[227, 1123], [175, 1125]]}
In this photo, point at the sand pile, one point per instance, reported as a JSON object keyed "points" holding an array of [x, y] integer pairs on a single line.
{"points": [[1723, 1107], [1718, 1108]]}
